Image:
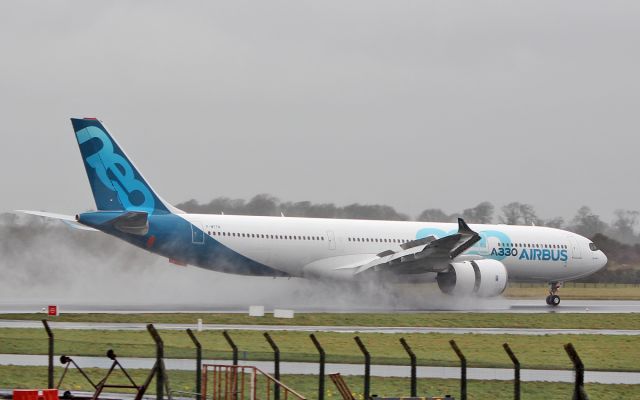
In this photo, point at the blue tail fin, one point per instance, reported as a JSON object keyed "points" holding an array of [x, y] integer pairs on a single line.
{"points": [[114, 180]]}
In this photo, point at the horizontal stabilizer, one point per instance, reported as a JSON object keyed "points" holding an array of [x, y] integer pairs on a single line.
{"points": [[70, 220]]}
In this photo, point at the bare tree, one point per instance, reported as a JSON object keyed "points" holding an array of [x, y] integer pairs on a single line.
{"points": [[480, 214], [434, 215], [624, 224], [586, 223], [511, 214], [529, 216], [557, 222], [262, 204]]}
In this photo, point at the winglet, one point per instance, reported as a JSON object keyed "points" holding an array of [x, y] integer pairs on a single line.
{"points": [[463, 227], [470, 238]]}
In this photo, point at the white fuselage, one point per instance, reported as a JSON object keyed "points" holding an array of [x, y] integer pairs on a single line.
{"points": [[315, 247]]}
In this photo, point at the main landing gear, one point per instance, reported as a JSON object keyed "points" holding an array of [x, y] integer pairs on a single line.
{"points": [[553, 299]]}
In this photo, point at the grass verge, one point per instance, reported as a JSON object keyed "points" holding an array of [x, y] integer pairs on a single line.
{"points": [[601, 352], [576, 291], [412, 319]]}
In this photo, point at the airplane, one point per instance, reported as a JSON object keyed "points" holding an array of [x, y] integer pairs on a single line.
{"points": [[464, 260]]}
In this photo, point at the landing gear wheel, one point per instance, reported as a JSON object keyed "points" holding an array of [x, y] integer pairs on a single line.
{"points": [[553, 299]]}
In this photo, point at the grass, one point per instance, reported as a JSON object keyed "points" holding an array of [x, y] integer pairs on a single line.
{"points": [[615, 353], [577, 291], [35, 377], [410, 319]]}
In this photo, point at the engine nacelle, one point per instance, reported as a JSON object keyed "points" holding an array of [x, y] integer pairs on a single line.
{"points": [[485, 278]]}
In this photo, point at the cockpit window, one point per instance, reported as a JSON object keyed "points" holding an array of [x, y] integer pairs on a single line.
{"points": [[593, 247]]}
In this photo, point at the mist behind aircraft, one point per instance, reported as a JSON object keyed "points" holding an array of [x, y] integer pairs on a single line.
{"points": [[44, 262]]}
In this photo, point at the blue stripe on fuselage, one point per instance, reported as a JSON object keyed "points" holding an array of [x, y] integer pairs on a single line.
{"points": [[172, 237]]}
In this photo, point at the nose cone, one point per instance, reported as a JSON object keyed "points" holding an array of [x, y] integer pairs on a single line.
{"points": [[601, 261]]}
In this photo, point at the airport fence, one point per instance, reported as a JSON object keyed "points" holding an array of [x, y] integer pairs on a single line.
{"points": [[163, 390]]}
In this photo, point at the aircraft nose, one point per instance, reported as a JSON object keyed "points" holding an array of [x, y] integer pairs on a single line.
{"points": [[602, 260]]}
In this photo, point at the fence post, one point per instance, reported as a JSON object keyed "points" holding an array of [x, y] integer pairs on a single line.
{"points": [[276, 365], [233, 346], [463, 369], [516, 371], [50, 368], [578, 390], [195, 341], [367, 367], [322, 362], [159, 361], [414, 380]]}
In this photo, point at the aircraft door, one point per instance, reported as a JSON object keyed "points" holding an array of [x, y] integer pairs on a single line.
{"points": [[197, 234], [332, 240], [574, 247]]}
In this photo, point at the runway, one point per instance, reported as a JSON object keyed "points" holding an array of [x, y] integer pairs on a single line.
{"points": [[310, 328], [498, 305], [301, 368]]}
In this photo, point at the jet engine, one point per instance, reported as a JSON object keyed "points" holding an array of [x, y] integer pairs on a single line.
{"points": [[485, 278]]}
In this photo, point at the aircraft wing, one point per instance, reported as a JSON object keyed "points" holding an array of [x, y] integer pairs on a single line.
{"points": [[423, 255], [70, 220]]}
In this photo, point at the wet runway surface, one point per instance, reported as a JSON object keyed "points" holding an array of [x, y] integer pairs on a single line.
{"points": [[305, 328], [530, 375], [499, 305]]}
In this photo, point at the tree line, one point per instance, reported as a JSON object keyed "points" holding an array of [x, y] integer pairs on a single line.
{"points": [[585, 222]]}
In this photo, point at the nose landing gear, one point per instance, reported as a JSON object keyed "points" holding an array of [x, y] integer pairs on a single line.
{"points": [[553, 299]]}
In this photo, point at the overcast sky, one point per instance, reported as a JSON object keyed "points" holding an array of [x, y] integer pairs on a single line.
{"points": [[413, 104]]}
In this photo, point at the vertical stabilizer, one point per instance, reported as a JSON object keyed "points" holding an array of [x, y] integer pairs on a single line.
{"points": [[115, 182]]}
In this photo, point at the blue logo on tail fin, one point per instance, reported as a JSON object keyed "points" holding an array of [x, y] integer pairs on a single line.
{"points": [[115, 183]]}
